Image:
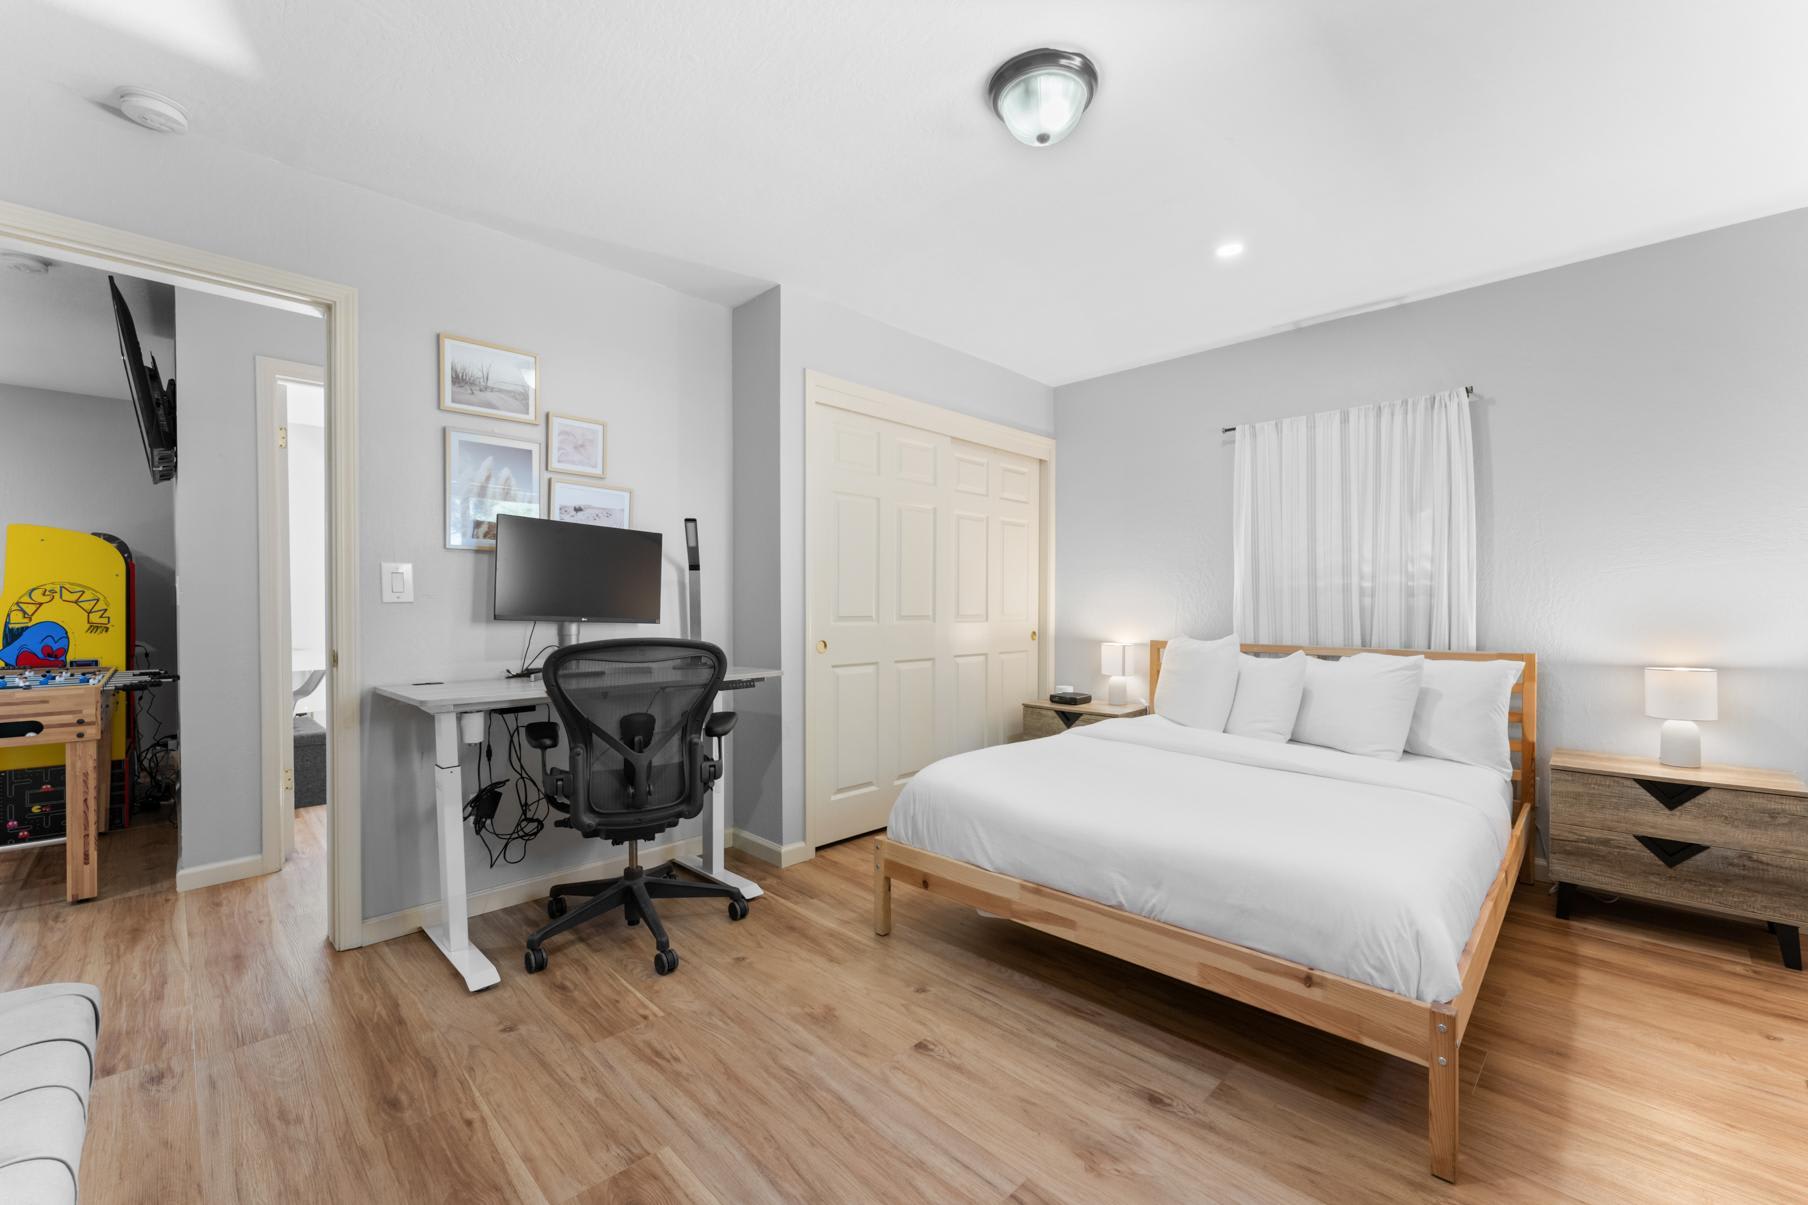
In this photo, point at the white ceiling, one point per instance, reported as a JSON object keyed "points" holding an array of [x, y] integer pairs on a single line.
{"points": [[1366, 152], [57, 332]]}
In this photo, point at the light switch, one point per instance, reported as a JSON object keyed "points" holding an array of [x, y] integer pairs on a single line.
{"points": [[398, 582]]}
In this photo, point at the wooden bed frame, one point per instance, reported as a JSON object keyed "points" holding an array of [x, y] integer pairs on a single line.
{"points": [[1428, 1034]]}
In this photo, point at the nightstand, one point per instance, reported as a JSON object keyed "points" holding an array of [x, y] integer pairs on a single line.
{"points": [[1719, 838], [1042, 718]]}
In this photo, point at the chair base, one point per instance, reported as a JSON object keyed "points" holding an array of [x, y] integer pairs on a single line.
{"points": [[633, 891]]}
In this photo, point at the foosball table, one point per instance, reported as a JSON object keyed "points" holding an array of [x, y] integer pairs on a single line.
{"points": [[71, 707]]}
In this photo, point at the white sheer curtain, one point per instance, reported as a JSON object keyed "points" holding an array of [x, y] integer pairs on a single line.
{"points": [[1357, 527]]}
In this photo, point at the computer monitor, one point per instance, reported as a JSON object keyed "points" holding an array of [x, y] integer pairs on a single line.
{"points": [[572, 572]]}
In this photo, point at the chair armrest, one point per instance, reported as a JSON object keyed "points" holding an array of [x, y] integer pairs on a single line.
{"points": [[719, 724], [541, 734]]}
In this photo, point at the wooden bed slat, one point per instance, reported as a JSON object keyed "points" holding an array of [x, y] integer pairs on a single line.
{"points": [[1357, 1011]]}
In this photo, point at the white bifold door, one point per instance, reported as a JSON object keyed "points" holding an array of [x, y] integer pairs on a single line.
{"points": [[925, 582]]}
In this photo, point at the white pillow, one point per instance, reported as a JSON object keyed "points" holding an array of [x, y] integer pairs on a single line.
{"points": [[1462, 713], [1268, 696], [1198, 679], [1361, 704]]}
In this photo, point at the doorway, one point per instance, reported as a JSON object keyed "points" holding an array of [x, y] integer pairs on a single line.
{"points": [[37, 232], [292, 567], [927, 591]]}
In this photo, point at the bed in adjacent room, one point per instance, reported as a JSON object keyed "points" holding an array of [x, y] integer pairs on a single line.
{"points": [[1358, 894]]}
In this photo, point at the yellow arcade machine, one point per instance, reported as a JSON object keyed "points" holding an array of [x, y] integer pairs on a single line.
{"points": [[66, 595]]}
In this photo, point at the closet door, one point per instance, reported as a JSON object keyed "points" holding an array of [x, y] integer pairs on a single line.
{"points": [[996, 568], [924, 596]]}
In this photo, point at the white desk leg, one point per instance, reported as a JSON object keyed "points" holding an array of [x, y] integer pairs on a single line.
{"points": [[452, 934], [712, 864]]}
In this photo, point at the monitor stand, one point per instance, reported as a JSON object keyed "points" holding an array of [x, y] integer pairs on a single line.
{"points": [[568, 632]]}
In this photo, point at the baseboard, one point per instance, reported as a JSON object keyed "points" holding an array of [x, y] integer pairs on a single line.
{"points": [[211, 874], [507, 895], [781, 856]]}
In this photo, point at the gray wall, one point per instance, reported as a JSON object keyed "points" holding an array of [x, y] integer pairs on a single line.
{"points": [[76, 462], [813, 334], [755, 764], [1642, 446], [218, 340], [653, 362]]}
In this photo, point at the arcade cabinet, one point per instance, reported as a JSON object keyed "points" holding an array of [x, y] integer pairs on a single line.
{"points": [[65, 596]]}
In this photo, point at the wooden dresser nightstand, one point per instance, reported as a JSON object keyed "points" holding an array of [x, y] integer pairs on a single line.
{"points": [[1721, 838], [1042, 718]]}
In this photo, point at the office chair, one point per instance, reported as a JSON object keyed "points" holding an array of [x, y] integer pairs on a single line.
{"points": [[636, 715]]}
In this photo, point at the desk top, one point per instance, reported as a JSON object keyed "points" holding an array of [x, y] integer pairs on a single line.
{"points": [[475, 694]]}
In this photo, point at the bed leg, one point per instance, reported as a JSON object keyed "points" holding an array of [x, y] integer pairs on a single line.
{"points": [[881, 892], [1443, 1094], [1528, 865]]}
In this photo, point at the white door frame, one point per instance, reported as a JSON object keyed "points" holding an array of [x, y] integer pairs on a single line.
{"points": [[103, 247], [275, 631], [821, 392]]}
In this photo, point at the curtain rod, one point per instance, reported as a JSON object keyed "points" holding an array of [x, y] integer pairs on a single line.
{"points": [[1468, 391]]}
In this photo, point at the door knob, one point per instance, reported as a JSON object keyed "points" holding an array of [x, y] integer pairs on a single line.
{"points": [[822, 646], [1032, 633]]}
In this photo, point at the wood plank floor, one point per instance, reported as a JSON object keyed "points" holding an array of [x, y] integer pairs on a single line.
{"points": [[1628, 1055]]}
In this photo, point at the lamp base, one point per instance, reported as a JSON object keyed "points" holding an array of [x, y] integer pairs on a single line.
{"points": [[1117, 692], [1680, 744]]}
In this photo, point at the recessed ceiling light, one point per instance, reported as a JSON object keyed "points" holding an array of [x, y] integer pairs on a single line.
{"points": [[19, 261], [1040, 95], [1229, 250], [152, 110]]}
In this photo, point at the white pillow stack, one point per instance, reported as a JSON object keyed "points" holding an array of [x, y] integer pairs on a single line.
{"points": [[1198, 680], [1370, 704], [1362, 704], [1462, 711], [1268, 696]]}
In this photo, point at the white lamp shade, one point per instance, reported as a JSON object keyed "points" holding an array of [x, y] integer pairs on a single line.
{"points": [[1111, 659], [1680, 693]]}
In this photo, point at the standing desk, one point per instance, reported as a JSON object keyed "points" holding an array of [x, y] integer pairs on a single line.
{"points": [[445, 702]]}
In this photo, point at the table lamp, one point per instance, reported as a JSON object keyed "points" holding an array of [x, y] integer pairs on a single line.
{"points": [[1679, 696], [1111, 663]]}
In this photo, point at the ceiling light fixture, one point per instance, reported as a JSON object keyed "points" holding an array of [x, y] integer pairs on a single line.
{"points": [[1040, 95], [1230, 250], [19, 261], [152, 110]]}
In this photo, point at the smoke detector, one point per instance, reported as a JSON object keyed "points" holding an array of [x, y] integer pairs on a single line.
{"points": [[152, 110], [18, 261]]}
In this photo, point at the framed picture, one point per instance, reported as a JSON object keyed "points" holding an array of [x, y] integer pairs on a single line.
{"points": [[576, 445], [487, 475], [488, 379], [587, 502]]}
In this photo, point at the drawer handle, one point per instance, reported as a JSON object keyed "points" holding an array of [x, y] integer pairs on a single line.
{"points": [[1671, 853], [1671, 794]]}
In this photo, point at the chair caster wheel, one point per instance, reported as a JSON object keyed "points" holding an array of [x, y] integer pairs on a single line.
{"points": [[665, 962], [535, 961], [632, 918], [737, 909], [555, 907]]}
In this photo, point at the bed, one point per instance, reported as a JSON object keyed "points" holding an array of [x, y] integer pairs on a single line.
{"points": [[1359, 896]]}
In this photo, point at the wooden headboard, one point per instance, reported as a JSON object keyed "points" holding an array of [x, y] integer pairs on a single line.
{"points": [[1522, 712]]}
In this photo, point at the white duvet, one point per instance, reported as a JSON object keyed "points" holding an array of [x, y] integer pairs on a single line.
{"points": [[1369, 869]]}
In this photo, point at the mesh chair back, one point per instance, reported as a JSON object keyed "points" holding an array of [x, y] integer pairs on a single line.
{"points": [[636, 709]]}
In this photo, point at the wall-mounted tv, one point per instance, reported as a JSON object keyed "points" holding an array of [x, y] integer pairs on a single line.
{"points": [[153, 401]]}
